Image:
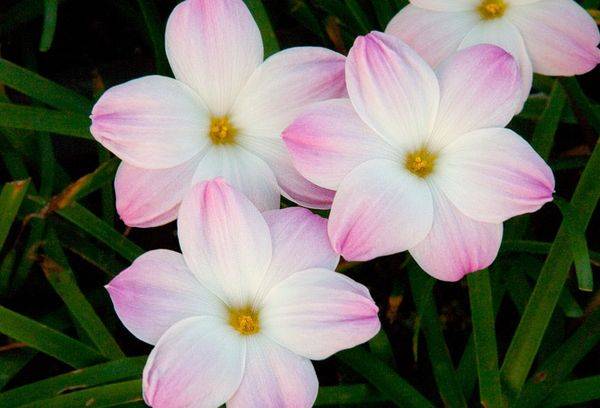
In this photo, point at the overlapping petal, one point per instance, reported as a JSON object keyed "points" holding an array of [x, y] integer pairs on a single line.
{"points": [[492, 175], [152, 122], [379, 209], [445, 5], [225, 241], [456, 245], [199, 362], [274, 377], [480, 87], [560, 36], [157, 291], [317, 312], [393, 90], [328, 140], [214, 47]]}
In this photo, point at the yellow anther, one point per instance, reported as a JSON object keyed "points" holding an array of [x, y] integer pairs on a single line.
{"points": [[420, 162], [222, 131], [245, 320], [491, 9]]}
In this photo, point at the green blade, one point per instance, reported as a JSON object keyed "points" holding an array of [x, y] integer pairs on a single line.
{"points": [[11, 197], [44, 120]]}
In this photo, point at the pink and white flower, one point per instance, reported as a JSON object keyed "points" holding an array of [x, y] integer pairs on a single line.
{"points": [[222, 115], [550, 37], [237, 317], [420, 159]]}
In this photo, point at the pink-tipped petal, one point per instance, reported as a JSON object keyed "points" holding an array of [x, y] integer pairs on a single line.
{"points": [[225, 241], [214, 47], [199, 362], [492, 175], [157, 291], [316, 313], [152, 122], [244, 171], [456, 245], [445, 5], [328, 140], [149, 198], [284, 85], [379, 209], [435, 35], [504, 34], [392, 88], [480, 88], [300, 242], [275, 378], [293, 185], [560, 36]]}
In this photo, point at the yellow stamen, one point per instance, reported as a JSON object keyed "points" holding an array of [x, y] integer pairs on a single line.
{"points": [[491, 9], [222, 131], [420, 162], [244, 320]]}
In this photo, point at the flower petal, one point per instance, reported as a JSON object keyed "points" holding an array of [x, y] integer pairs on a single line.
{"points": [[379, 209], [214, 47], [149, 198], [560, 36], [300, 242], [504, 34], [157, 291], [225, 241], [435, 35], [456, 245], [316, 313], [328, 140], [284, 85], [393, 90], [244, 171], [199, 362], [492, 175], [275, 378], [445, 5], [480, 88], [293, 185], [152, 122]]}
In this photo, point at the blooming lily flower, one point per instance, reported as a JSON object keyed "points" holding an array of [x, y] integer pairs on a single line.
{"points": [[420, 160], [222, 116], [550, 37], [237, 317]]}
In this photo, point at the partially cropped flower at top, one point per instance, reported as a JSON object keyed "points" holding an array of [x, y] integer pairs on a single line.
{"points": [[237, 317], [222, 116], [421, 161], [550, 37]]}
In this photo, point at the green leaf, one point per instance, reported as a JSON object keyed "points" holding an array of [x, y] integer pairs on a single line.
{"points": [[47, 340], [380, 346], [581, 102], [574, 392], [50, 16], [12, 362], [42, 89], [11, 197], [484, 332], [44, 120], [384, 12], [270, 43], [62, 279], [383, 377], [357, 394], [359, 15], [114, 371], [156, 32], [304, 14]]}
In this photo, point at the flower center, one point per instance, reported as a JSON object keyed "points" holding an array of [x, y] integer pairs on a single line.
{"points": [[491, 9], [245, 320], [420, 162], [222, 131]]}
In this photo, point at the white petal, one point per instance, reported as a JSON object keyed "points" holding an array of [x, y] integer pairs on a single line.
{"points": [[214, 47], [503, 33], [445, 5], [316, 313], [157, 291], [275, 378], [379, 209], [199, 362], [393, 89], [492, 175], [435, 35], [152, 122], [244, 171], [456, 245], [225, 241]]}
